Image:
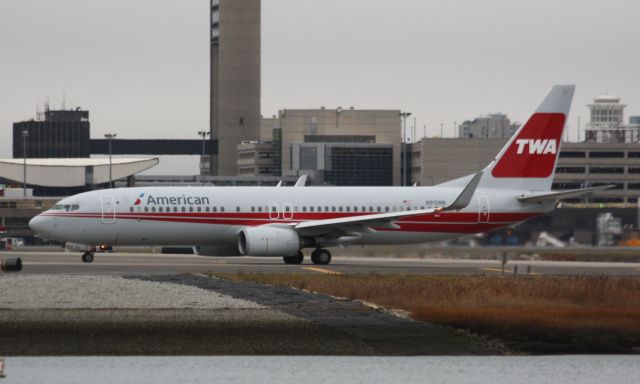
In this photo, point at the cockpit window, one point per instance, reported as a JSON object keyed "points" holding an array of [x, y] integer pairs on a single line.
{"points": [[65, 207]]}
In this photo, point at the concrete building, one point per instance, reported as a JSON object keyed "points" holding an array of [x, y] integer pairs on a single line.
{"points": [[606, 123], [492, 126], [344, 164], [337, 146], [434, 161], [53, 134], [235, 79], [256, 158]]}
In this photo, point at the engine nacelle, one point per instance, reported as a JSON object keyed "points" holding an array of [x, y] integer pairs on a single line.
{"points": [[268, 241]]}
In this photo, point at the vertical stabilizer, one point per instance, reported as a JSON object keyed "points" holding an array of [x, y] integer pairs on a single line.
{"points": [[528, 161]]}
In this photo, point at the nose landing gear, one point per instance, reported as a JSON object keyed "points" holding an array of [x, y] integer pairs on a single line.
{"points": [[87, 257]]}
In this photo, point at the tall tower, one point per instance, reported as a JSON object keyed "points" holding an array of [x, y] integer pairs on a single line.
{"points": [[235, 79]]}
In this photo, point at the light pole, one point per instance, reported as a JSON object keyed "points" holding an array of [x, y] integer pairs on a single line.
{"points": [[204, 135], [404, 116], [25, 134], [110, 136]]}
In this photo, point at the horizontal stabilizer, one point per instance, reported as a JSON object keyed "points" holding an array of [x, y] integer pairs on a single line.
{"points": [[546, 196]]}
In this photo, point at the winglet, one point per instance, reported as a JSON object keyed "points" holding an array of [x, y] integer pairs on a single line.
{"points": [[302, 181], [466, 195]]}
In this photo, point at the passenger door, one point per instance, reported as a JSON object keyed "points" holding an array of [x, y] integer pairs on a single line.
{"points": [[483, 209], [108, 209]]}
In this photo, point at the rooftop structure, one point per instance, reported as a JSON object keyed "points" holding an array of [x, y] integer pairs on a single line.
{"points": [[606, 123]]}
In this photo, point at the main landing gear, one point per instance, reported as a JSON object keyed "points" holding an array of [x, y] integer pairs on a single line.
{"points": [[297, 259], [87, 257], [321, 256]]}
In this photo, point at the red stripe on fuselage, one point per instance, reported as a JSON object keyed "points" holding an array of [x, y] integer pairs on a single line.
{"points": [[451, 222]]}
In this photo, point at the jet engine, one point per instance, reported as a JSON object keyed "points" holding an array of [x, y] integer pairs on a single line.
{"points": [[269, 241]]}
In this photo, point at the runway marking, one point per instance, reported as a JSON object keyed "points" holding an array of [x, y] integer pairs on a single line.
{"points": [[507, 270], [322, 270]]}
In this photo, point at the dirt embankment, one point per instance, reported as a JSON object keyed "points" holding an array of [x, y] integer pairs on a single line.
{"points": [[530, 314]]}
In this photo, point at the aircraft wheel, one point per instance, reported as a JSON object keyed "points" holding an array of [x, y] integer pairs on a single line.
{"points": [[297, 259], [87, 257], [321, 257]]}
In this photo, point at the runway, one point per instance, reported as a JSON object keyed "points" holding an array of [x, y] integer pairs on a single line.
{"points": [[159, 264]]}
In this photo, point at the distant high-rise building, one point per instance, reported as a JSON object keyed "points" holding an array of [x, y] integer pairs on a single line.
{"points": [[492, 126], [235, 79], [55, 134]]}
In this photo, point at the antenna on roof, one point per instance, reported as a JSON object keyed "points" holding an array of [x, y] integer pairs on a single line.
{"points": [[64, 101]]}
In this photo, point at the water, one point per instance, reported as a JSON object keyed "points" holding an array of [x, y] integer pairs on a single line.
{"points": [[310, 370]]}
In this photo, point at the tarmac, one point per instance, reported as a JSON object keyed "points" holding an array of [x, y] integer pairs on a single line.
{"points": [[154, 264]]}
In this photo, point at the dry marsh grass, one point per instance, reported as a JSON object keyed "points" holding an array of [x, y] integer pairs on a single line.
{"points": [[597, 312]]}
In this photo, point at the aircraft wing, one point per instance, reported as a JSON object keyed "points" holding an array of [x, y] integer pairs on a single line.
{"points": [[386, 219], [538, 198]]}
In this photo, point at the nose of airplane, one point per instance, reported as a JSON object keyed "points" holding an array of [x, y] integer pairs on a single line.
{"points": [[37, 224]]}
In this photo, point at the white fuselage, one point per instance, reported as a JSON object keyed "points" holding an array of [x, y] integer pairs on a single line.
{"points": [[216, 215]]}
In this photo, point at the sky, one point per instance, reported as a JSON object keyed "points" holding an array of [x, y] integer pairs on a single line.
{"points": [[142, 67]]}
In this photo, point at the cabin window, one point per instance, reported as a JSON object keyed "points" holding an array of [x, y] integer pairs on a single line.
{"points": [[183, 209], [311, 209], [253, 209], [207, 209], [175, 209], [333, 209], [215, 209], [348, 208], [319, 209], [364, 209], [146, 209], [370, 209], [221, 209], [287, 208], [237, 209], [199, 209], [153, 209], [159, 209], [274, 208], [340, 208], [326, 209], [304, 209], [259, 209], [190, 209], [130, 209], [421, 207], [386, 209]]}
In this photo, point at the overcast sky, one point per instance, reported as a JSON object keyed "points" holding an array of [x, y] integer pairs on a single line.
{"points": [[142, 66]]}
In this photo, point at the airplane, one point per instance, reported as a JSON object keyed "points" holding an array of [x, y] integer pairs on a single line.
{"points": [[282, 222]]}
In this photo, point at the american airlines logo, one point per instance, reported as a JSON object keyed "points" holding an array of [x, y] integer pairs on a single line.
{"points": [[537, 146]]}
